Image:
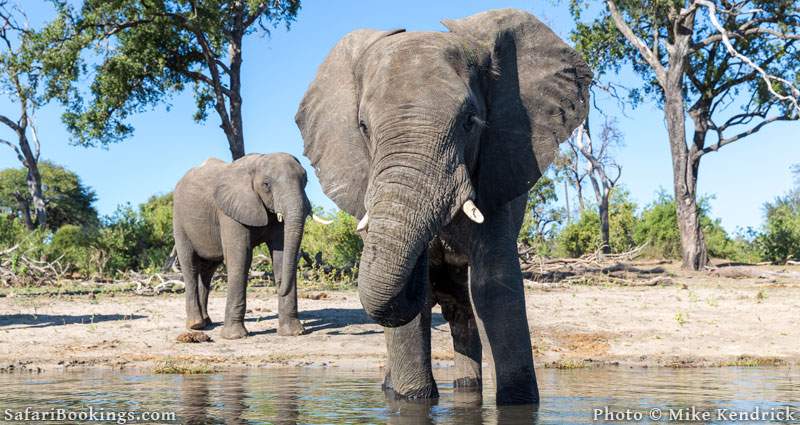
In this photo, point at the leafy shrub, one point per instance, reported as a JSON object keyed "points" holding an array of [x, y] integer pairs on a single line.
{"points": [[156, 217], [780, 240], [338, 243], [11, 230], [580, 237], [583, 236], [76, 249], [659, 225]]}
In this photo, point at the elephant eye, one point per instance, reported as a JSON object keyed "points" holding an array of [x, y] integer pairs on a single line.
{"points": [[469, 123], [363, 126]]}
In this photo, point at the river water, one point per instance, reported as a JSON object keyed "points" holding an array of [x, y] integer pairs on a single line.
{"points": [[322, 396]]}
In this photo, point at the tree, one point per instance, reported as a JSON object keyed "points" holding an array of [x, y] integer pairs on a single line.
{"points": [[19, 81], [731, 76], [541, 218], [598, 163], [68, 200], [151, 49]]}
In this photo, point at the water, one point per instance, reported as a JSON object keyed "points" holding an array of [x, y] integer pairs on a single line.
{"points": [[321, 396]]}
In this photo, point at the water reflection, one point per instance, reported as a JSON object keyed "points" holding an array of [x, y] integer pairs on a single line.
{"points": [[317, 396]]}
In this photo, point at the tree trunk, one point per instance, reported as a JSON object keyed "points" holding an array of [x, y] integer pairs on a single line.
{"points": [[684, 166], [236, 136], [605, 238], [695, 255], [33, 180]]}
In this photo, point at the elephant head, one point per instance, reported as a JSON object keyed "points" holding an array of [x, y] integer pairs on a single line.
{"points": [[255, 185], [407, 130]]}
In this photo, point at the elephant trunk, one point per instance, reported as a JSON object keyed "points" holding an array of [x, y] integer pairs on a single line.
{"points": [[408, 205], [294, 222]]}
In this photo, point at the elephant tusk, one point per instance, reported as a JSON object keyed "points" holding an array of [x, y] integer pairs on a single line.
{"points": [[280, 217], [472, 211], [363, 224], [321, 220]]}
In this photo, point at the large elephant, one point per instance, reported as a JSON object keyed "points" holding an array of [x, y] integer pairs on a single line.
{"points": [[433, 139], [221, 212]]}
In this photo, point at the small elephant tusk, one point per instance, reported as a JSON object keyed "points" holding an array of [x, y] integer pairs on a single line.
{"points": [[321, 220], [280, 217], [472, 211], [363, 224]]}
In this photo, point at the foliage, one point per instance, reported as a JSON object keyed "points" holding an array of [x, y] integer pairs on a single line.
{"points": [[659, 227], [780, 240], [68, 200], [145, 52], [338, 243], [156, 216], [542, 218], [712, 72], [582, 236], [76, 249]]}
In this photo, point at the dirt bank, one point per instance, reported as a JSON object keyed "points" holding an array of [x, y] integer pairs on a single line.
{"points": [[699, 319]]}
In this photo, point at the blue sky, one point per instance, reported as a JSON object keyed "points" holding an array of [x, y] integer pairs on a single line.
{"points": [[278, 69]]}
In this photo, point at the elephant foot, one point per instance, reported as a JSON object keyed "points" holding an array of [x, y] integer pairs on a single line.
{"points": [[427, 391], [198, 324], [292, 327], [234, 331], [467, 384]]}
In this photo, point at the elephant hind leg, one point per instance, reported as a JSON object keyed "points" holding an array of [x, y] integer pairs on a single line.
{"points": [[190, 262], [207, 269], [450, 288]]}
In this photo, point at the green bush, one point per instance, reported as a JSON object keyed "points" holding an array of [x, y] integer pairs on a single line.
{"points": [[11, 230], [583, 236], [76, 249], [156, 216], [658, 225], [580, 237], [338, 243], [780, 240]]}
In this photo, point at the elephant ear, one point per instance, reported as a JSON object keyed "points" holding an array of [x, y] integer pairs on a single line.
{"points": [[537, 95], [235, 196], [328, 120]]}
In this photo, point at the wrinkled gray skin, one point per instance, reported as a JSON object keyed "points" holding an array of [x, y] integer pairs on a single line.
{"points": [[409, 126], [221, 212]]}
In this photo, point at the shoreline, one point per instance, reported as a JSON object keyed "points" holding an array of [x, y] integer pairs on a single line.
{"points": [[699, 319]]}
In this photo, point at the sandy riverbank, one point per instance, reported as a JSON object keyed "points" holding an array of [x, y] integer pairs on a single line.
{"points": [[699, 320]]}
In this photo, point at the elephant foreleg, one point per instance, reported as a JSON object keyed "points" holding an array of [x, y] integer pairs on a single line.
{"points": [[498, 302], [238, 255], [288, 321], [408, 368]]}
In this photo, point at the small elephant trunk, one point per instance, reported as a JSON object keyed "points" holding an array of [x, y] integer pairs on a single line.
{"points": [[293, 225]]}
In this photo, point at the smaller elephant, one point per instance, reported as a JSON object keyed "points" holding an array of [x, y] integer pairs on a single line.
{"points": [[222, 212]]}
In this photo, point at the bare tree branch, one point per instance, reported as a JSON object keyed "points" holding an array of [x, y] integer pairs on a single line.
{"points": [[768, 79], [16, 150], [647, 54]]}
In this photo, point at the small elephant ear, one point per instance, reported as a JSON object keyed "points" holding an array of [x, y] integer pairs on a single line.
{"points": [[235, 196], [537, 95], [328, 120]]}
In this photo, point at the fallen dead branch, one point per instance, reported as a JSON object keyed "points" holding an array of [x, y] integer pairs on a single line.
{"points": [[593, 268], [17, 268]]}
